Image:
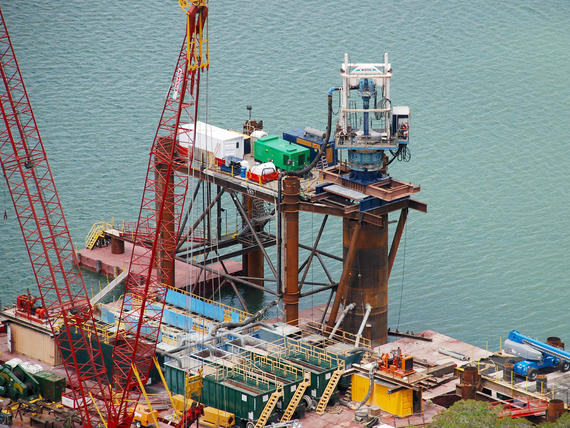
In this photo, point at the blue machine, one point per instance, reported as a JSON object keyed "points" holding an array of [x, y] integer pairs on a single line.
{"points": [[536, 355], [313, 139]]}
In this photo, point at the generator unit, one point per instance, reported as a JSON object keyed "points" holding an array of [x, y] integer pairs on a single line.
{"points": [[283, 154]]}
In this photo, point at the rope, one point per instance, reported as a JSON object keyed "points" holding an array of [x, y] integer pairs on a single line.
{"points": [[4, 198], [403, 275]]}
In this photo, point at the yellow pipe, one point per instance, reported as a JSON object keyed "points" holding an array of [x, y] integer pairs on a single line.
{"points": [[98, 411]]}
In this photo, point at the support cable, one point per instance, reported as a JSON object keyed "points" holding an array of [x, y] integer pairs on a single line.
{"points": [[403, 274]]}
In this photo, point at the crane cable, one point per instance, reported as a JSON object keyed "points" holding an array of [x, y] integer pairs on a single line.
{"points": [[403, 275], [5, 204], [302, 172]]}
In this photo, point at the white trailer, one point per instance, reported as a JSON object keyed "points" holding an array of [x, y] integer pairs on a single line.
{"points": [[217, 141]]}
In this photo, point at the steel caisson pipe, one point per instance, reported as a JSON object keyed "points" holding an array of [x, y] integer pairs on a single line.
{"points": [[367, 279], [290, 210]]}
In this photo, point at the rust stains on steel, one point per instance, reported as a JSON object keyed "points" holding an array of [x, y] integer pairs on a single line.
{"points": [[368, 279], [341, 290], [290, 209], [387, 190], [409, 334]]}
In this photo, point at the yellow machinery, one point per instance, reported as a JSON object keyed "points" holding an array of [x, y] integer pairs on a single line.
{"points": [[144, 415], [399, 402], [212, 417]]}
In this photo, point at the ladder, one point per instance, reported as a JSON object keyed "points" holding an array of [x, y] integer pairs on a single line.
{"points": [[322, 164], [268, 409], [96, 232], [333, 382], [301, 388]]}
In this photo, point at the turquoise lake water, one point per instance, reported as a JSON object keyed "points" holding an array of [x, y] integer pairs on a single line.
{"points": [[487, 82]]}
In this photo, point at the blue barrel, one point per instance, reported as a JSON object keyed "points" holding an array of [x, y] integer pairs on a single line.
{"points": [[243, 171]]}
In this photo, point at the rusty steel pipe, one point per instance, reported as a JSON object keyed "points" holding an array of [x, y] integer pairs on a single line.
{"points": [[117, 245], [367, 278], [290, 210], [470, 383], [555, 410], [253, 262]]}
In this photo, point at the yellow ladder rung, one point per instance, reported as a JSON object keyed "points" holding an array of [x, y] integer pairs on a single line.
{"points": [[329, 391], [268, 409], [301, 388]]}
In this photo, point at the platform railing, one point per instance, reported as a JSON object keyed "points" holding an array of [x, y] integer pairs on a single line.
{"points": [[325, 330], [275, 365], [227, 309], [311, 353]]}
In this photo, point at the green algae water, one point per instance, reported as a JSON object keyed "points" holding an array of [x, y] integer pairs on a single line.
{"points": [[487, 84]]}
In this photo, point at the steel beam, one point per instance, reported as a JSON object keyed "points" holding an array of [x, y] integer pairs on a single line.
{"points": [[234, 278], [343, 283], [205, 213], [313, 251], [396, 239], [244, 217]]}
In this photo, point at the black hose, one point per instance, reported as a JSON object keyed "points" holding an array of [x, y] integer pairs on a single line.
{"points": [[302, 172]]}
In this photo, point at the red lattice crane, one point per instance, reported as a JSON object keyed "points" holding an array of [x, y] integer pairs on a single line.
{"points": [[48, 242], [152, 269], [49, 245]]}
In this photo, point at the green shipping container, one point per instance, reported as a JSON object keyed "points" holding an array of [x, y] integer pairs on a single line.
{"points": [[235, 395], [285, 155], [242, 396], [51, 385]]}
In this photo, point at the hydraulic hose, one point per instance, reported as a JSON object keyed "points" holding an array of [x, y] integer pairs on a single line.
{"points": [[342, 315], [301, 172], [370, 385], [361, 329]]}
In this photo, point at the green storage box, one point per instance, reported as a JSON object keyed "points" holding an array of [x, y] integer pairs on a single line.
{"points": [[51, 385]]}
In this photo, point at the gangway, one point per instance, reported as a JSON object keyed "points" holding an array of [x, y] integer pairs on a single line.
{"points": [[109, 287]]}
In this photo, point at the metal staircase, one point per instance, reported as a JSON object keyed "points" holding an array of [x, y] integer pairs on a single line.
{"points": [[301, 388], [268, 409], [322, 163], [333, 382], [97, 231]]}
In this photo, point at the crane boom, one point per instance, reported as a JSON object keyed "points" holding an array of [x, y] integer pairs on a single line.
{"points": [[46, 235], [152, 266]]}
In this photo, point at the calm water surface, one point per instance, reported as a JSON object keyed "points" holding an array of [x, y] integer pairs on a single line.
{"points": [[488, 87]]}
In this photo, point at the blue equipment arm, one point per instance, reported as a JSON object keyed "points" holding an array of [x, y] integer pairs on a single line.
{"points": [[546, 349]]}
